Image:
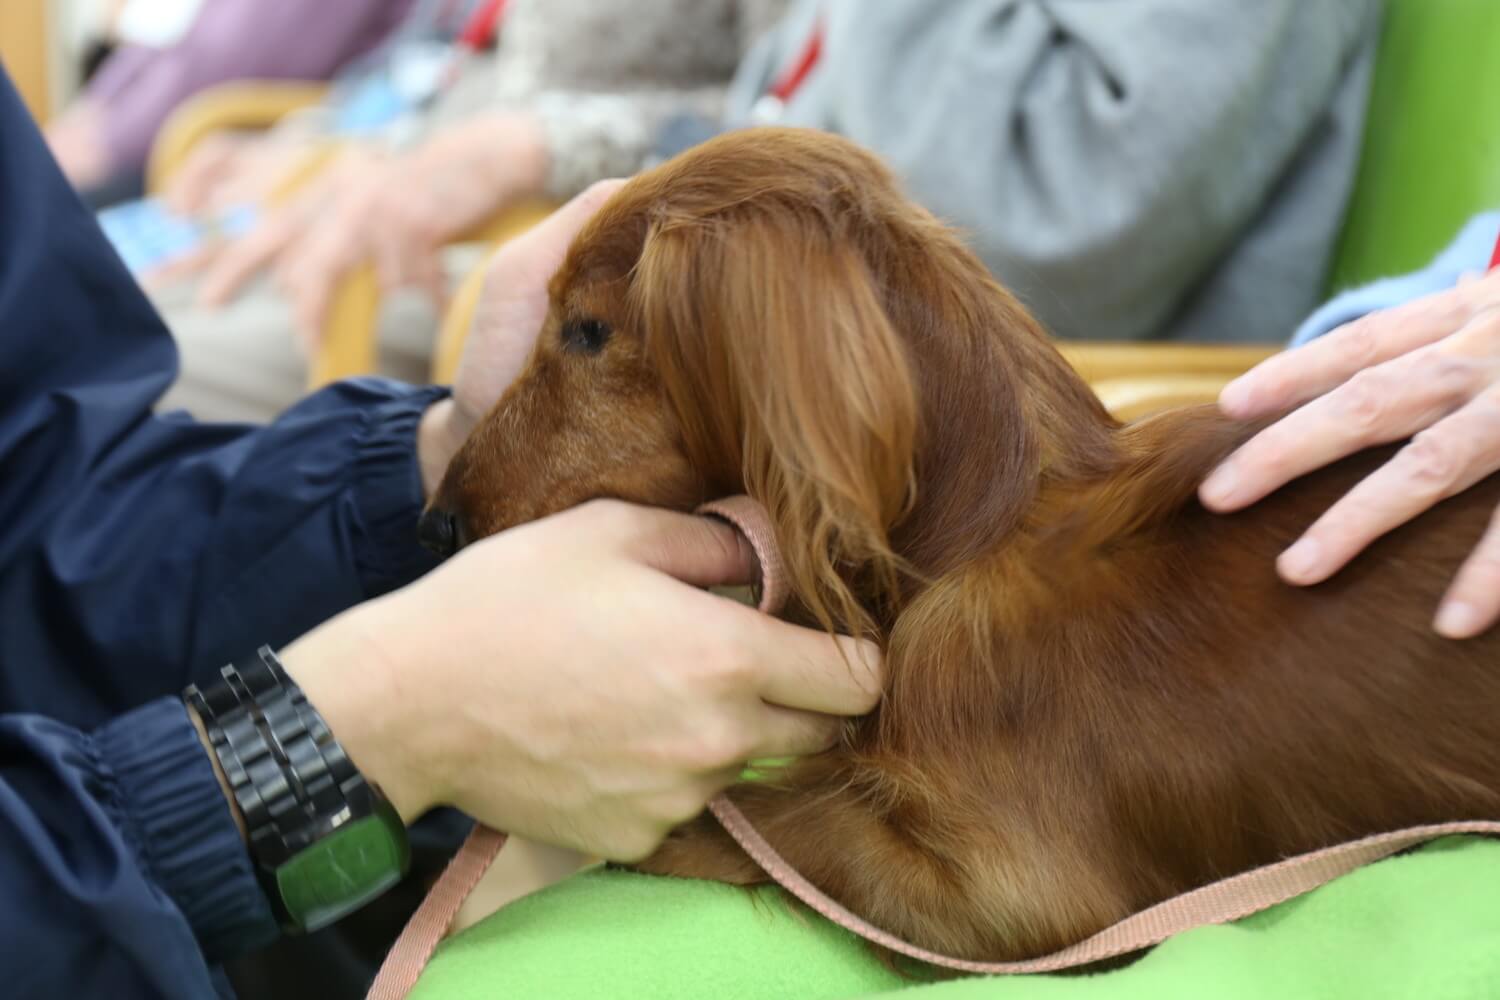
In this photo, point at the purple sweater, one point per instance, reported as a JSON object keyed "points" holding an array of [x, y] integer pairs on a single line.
{"points": [[138, 87]]}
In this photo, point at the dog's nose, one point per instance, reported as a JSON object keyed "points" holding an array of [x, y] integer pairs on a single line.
{"points": [[437, 530]]}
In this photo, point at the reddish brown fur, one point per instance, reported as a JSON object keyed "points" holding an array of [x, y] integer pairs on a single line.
{"points": [[1099, 694]]}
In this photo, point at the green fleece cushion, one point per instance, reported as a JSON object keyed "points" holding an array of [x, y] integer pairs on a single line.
{"points": [[1423, 925]]}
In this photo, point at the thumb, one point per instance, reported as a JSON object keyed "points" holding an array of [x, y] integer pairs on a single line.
{"points": [[701, 551]]}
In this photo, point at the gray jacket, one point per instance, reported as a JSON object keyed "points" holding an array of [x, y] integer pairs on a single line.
{"points": [[1133, 169]]}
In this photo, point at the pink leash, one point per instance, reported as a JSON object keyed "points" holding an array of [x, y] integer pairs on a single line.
{"points": [[429, 925], [1217, 903]]}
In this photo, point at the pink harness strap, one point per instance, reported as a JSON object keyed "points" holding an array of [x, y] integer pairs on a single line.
{"points": [[1219, 902], [419, 938], [1216, 903]]}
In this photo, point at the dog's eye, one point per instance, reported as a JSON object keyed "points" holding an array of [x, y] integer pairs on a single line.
{"points": [[586, 335]]}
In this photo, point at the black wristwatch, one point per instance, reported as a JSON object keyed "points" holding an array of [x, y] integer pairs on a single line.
{"points": [[325, 841]]}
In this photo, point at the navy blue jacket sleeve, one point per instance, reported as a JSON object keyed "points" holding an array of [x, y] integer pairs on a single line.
{"points": [[137, 553], [123, 872]]}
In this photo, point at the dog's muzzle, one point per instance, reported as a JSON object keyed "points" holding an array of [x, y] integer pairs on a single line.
{"points": [[437, 530]]}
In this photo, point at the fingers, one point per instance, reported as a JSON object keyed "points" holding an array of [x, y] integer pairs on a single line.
{"points": [[188, 191], [724, 747], [540, 250], [563, 224], [412, 262], [1293, 377], [309, 281], [701, 551], [793, 667], [373, 224], [310, 297], [1447, 458], [241, 260], [310, 272], [1472, 603], [1378, 405], [177, 269], [512, 304], [782, 732], [801, 668]]}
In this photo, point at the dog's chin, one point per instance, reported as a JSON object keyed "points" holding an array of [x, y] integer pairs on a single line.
{"points": [[444, 533]]}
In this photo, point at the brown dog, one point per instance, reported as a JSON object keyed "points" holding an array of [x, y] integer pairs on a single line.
{"points": [[1099, 695]]}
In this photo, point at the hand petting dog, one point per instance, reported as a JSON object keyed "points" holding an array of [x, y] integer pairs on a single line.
{"points": [[1428, 371]]}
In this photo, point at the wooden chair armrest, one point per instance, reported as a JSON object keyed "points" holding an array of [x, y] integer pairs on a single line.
{"points": [[348, 347], [239, 105], [1099, 361], [1133, 397]]}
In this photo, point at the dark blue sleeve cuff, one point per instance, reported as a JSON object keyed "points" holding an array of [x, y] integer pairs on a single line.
{"points": [[173, 810], [388, 491]]}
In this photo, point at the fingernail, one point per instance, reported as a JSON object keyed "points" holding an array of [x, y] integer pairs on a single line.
{"points": [[1218, 488], [1234, 398], [1300, 562], [1457, 620]]}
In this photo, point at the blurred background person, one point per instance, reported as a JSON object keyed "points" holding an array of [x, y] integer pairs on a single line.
{"points": [[576, 91], [441, 50], [169, 50], [1149, 169], [1143, 169]]}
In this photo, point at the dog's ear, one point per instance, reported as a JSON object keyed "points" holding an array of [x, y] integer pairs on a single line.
{"points": [[788, 377]]}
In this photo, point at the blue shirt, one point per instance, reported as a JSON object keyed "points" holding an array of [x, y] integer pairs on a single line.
{"points": [[138, 552]]}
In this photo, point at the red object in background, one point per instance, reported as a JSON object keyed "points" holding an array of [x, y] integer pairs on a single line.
{"points": [[1495, 258], [790, 81], [768, 108], [480, 28], [476, 35]]}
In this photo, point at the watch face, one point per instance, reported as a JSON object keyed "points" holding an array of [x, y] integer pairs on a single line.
{"points": [[344, 870]]}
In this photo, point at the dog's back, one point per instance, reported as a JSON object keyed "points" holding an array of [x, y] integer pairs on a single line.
{"points": [[1148, 708], [1222, 719]]}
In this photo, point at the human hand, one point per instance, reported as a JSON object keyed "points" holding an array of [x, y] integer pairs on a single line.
{"points": [[228, 169], [190, 189], [1429, 370], [401, 217], [567, 681], [512, 306], [226, 267]]}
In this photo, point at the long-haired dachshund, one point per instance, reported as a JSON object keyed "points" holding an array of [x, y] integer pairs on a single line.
{"points": [[1099, 695]]}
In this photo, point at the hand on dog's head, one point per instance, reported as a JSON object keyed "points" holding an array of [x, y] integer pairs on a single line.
{"points": [[768, 314]]}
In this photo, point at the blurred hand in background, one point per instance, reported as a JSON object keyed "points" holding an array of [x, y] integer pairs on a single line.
{"points": [[394, 211]]}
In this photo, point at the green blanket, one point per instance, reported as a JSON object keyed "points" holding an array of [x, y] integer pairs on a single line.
{"points": [[1425, 925]]}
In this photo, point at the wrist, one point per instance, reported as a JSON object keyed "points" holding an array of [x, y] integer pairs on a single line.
{"points": [[324, 839], [354, 685], [513, 147]]}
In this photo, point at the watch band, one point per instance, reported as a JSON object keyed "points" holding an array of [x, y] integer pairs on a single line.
{"points": [[298, 790]]}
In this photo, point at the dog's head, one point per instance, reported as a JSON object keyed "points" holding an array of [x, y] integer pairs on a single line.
{"points": [[767, 314]]}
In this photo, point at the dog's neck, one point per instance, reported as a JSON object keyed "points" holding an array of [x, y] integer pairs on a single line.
{"points": [[964, 645], [1004, 417]]}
